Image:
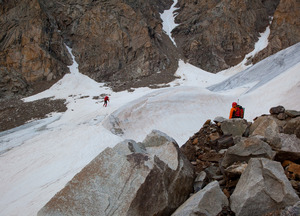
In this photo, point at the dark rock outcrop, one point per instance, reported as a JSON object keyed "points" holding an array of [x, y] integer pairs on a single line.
{"points": [[12, 82], [215, 35], [31, 48], [285, 28], [118, 42], [123, 43]]}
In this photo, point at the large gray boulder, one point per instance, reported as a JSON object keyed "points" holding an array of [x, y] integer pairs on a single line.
{"points": [[208, 201], [150, 178], [268, 127], [246, 149], [262, 188], [234, 127]]}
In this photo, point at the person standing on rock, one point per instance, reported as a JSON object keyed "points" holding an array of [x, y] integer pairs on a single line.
{"points": [[106, 99], [236, 111]]}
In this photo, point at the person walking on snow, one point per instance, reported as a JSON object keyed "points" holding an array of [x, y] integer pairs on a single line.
{"points": [[106, 98]]}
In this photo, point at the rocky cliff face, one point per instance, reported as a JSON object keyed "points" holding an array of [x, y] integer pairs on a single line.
{"points": [[285, 28], [122, 42], [112, 41], [115, 40], [31, 48], [216, 35]]}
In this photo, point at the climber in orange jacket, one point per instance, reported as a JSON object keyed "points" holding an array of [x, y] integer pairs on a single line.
{"points": [[236, 111], [232, 110]]}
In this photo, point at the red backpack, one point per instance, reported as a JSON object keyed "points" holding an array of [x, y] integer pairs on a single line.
{"points": [[239, 112]]}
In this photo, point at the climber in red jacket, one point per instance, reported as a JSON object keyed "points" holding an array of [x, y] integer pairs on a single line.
{"points": [[106, 98]]}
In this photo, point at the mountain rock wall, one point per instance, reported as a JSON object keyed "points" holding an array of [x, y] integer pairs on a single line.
{"points": [[112, 41], [123, 43], [115, 41], [215, 35], [285, 29], [31, 48]]}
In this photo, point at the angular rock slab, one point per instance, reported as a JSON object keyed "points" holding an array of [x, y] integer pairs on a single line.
{"points": [[262, 188], [208, 201], [199, 181], [246, 149], [128, 180], [289, 142], [234, 127], [268, 127]]}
